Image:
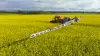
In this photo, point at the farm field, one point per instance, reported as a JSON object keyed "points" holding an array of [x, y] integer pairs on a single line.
{"points": [[79, 39]]}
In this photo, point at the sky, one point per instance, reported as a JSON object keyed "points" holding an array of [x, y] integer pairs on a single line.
{"points": [[51, 5]]}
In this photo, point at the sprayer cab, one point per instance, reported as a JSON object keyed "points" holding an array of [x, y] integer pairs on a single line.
{"points": [[57, 19]]}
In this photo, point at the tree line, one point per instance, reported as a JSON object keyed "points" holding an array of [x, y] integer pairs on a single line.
{"points": [[44, 12]]}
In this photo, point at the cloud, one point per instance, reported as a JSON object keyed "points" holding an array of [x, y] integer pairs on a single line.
{"points": [[62, 5]]}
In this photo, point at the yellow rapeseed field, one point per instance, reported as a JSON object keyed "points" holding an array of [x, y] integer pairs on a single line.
{"points": [[79, 39]]}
